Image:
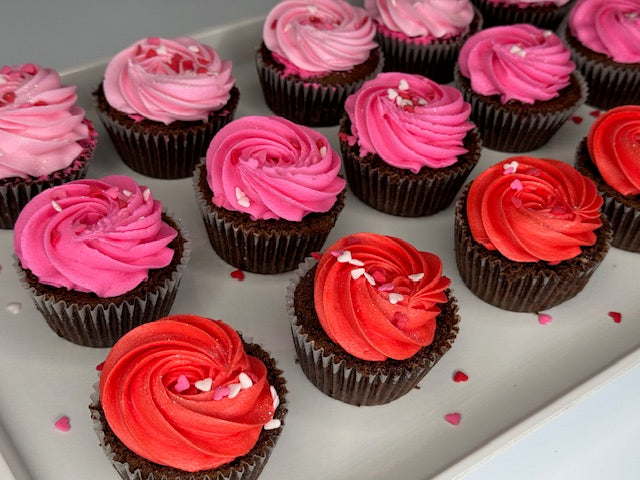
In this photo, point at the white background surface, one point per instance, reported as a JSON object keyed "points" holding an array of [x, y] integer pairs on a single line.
{"points": [[596, 438]]}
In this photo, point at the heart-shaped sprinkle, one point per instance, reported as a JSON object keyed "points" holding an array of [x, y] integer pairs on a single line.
{"points": [[316, 255], [244, 380], [56, 206], [182, 384], [543, 318], [356, 273], [511, 167], [204, 385], [100, 366], [595, 113], [370, 279], [63, 424], [616, 316], [272, 424], [395, 298], [403, 85], [14, 308], [238, 275], [242, 198], [516, 185], [577, 119], [344, 257], [323, 151], [234, 390], [357, 263], [220, 393], [275, 397], [416, 277], [453, 418], [337, 253], [387, 287], [460, 377]]}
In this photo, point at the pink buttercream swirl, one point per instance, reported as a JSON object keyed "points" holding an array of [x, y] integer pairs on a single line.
{"points": [[165, 80], [270, 167], [99, 236], [422, 18], [518, 62], [312, 38], [40, 124], [611, 28]]}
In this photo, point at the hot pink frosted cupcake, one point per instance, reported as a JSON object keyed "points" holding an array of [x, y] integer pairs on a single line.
{"points": [[423, 36], [541, 13], [314, 54], [99, 257], [162, 101], [45, 139], [521, 83], [269, 193], [604, 38], [419, 169]]}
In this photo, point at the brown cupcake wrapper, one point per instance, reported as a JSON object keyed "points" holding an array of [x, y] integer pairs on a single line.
{"points": [[245, 245], [516, 131], [314, 105], [103, 325], [170, 153], [611, 84], [520, 287], [546, 17], [401, 192], [336, 379]]}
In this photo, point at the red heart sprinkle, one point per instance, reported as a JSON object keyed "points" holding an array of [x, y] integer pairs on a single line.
{"points": [[594, 113], [577, 119], [238, 274], [63, 424], [460, 377], [453, 418], [100, 366], [316, 255], [617, 316], [9, 97]]}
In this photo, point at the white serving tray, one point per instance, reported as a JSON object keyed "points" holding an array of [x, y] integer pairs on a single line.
{"points": [[520, 372]]}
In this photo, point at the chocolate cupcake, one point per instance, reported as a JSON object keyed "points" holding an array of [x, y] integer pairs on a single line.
{"points": [[162, 101], [406, 319], [547, 14]]}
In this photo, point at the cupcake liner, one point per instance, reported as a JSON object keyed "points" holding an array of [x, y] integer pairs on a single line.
{"points": [[158, 150], [515, 127], [357, 382], [261, 246], [306, 102], [103, 322], [610, 83], [401, 192], [542, 16], [522, 287], [623, 212]]}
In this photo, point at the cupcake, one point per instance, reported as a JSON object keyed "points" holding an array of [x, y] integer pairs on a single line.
{"points": [[186, 398], [313, 55], [99, 257], [545, 14], [610, 156], [371, 318], [423, 36], [604, 38], [529, 234], [269, 193], [45, 139], [521, 83], [419, 169], [162, 101]]}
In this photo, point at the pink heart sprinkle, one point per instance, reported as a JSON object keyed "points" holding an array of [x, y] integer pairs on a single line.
{"points": [[616, 316], [543, 318], [460, 377], [238, 275], [63, 424], [221, 392], [516, 185], [182, 384], [387, 287], [336, 253], [453, 418]]}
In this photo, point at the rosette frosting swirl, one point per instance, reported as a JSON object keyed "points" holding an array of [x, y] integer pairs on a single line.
{"points": [[518, 62], [410, 121], [99, 236], [422, 18], [611, 28], [270, 167], [40, 123], [377, 296], [320, 36], [182, 392], [165, 80], [614, 146], [532, 209]]}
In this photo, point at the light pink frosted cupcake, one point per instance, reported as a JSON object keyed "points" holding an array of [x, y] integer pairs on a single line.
{"points": [[541, 13], [423, 36], [419, 169], [162, 101], [313, 55], [45, 139]]}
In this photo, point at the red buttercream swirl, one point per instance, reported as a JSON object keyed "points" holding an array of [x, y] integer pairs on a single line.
{"points": [[532, 209], [614, 147], [377, 296], [180, 425]]}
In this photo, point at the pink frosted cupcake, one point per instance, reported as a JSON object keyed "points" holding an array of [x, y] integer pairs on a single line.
{"points": [[419, 169], [45, 139], [604, 38], [521, 83], [314, 54], [269, 193], [423, 36], [541, 13], [162, 101], [99, 257]]}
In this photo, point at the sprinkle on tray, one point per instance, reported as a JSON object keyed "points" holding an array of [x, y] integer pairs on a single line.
{"points": [[63, 424], [453, 418], [100, 366], [616, 316], [577, 119], [14, 308], [238, 275], [316, 255], [544, 318], [460, 377], [595, 113]]}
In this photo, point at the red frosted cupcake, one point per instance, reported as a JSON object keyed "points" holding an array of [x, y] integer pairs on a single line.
{"points": [[547, 14]]}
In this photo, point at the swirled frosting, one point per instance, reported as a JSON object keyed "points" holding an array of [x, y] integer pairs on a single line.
{"points": [[270, 167], [377, 296], [518, 62], [428, 121], [99, 236], [40, 123], [422, 18], [165, 80], [614, 146], [611, 28], [531, 209], [182, 392], [312, 38]]}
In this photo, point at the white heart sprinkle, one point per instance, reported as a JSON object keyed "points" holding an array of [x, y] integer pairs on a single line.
{"points": [[422, 101], [162, 50], [2, 80], [356, 273], [416, 277], [517, 50], [127, 193], [194, 48], [273, 391], [244, 380], [344, 257], [204, 385], [242, 198], [234, 390], [14, 307], [323, 151], [146, 195], [395, 298], [370, 279], [391, 94], [56, 206], [403, 85], [355, 262], [511, 167], [272, 424], [312, 9]]}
